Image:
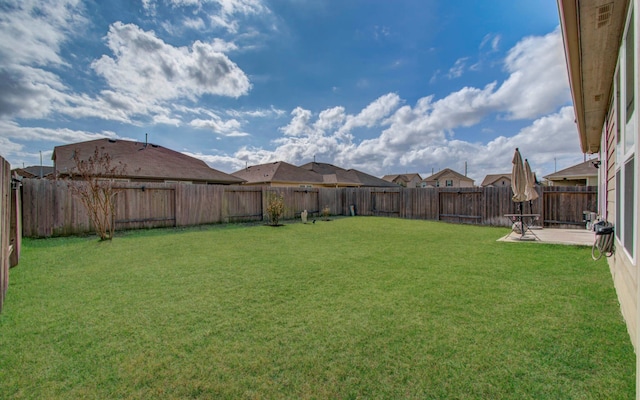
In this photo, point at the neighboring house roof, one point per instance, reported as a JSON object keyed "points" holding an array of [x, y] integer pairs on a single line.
{"points": [[142, 161], [34, 171], [278, 172], [447, 171], [591, 32], [491, 179], [583, 170], [345, 177], [321, 168], [402, 177]]}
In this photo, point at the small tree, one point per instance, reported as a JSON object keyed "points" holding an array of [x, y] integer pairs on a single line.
{"points": [[275, 208], [92, 181]]}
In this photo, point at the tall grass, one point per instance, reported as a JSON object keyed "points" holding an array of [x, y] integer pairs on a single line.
{"points": [[351, 308]]}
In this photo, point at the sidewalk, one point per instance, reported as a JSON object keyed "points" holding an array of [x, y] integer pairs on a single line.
{"points": [[578, 237]]}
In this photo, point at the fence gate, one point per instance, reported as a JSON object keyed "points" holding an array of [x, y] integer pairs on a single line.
{"points": [[242, 205], [145, 207], [385, 203], [461, 206]]}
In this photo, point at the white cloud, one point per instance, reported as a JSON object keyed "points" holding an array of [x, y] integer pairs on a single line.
{"points": [[31, 31], [257, 113], [217, 125], [31, 35], [222, 163], [8, 147], [11, 130], [221, 13], [330, 118], [194, 23], [458, 68], [149, 68], [374, 112], [538, 77], [299, 124], [492, 40]]}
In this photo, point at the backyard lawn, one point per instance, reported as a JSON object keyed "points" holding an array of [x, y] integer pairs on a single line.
{"points": [[359, 307]]}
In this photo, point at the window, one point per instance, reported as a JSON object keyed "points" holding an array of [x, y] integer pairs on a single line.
{"points": [[449, 182], [626, 176]]}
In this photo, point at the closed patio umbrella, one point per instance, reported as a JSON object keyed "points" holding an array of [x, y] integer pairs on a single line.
{"points": [[518, 184], [530, 189], [518, 178]]}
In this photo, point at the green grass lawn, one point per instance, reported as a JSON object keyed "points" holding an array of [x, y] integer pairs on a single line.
{"points": [[359, 307]]}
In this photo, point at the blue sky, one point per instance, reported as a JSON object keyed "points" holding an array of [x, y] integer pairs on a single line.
{"points": [[382, 86]]}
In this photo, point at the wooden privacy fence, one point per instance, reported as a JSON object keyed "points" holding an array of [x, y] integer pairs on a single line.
{"points": [[565, 206], [10, 229], [49, 209]]}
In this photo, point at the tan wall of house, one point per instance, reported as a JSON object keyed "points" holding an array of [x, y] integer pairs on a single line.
{"points": [[571, 182], [592, 181], [625, 280], [414, 182], [623, 272]]}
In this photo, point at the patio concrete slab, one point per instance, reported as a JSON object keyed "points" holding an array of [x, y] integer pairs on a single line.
{"points": [[577, 237]]}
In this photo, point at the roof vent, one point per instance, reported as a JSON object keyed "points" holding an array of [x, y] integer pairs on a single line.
{"points": [[603, 15]]}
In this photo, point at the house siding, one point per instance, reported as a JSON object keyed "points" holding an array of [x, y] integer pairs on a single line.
{"points": [[624, 273]]}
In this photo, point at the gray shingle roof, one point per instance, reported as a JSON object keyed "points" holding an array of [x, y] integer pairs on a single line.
{"points": [[142, 161], [278, 172], [582, 170], [346, 177]]}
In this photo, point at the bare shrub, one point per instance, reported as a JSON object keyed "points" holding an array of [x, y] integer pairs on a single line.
{"points": [[275, 208], [326, 212], [92, 180]]}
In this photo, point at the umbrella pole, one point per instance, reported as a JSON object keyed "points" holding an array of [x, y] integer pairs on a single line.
{"points": [[521, 222]]}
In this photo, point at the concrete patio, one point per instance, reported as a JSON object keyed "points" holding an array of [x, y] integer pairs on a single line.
{"points": [[578, 237]]}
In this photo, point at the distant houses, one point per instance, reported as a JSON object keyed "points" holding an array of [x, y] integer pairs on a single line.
{"points": [[310, 175], [404, 180], [497, 180], [448, 178], [345, 177], [34, 172], [148, 162]]}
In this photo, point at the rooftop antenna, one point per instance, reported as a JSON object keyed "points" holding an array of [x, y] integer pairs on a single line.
{"points": [[41, 174], [314, 158]]}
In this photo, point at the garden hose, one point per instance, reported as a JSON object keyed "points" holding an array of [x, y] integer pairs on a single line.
{"points": [[604, 241]]}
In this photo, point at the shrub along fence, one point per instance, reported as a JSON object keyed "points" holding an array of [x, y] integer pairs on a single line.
{"points": [[49, 209]]}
